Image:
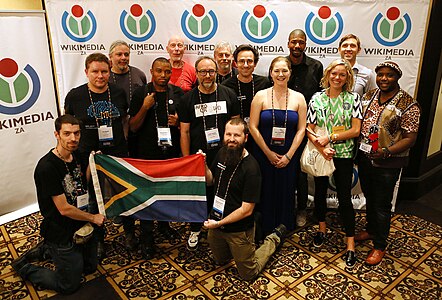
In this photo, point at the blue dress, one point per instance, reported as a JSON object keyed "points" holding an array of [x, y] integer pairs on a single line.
{"points": [[278, 185]]}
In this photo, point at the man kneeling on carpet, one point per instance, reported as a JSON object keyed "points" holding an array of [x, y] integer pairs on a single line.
{"points": [[66, 227], [236, 177]]}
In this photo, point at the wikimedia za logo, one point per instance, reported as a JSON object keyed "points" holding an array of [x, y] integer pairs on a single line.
{"points": [[393, 29], [259, 27], [324, 28], [137, 25], [77, 25], [199, 26], [18, 89]]}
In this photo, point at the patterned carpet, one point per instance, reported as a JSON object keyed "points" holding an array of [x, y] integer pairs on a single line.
{"points": [[412, 268]]}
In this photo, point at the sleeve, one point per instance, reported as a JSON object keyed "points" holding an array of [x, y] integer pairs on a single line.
{"points": [[311, 112], [319, 74], [137, 101], [357, 107], [47, 177], [183, 108], [410, 119], [371, 81], [235, 105], [68, 104]]}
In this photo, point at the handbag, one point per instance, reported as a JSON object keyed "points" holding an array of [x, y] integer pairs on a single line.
{"points": [[84, 234], [312, 161]]}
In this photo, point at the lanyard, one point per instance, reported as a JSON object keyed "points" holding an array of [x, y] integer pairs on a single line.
{"points": [[239, 92], [216, 111], [221, 78], [130, 84], [286, 109], [230, 179], [167, 109], [109, 106]]}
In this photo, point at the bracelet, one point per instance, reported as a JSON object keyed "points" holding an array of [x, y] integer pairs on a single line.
{"points": [[330, 138], [288, 157]]}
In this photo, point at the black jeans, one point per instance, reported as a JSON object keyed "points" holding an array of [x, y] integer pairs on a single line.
{"points": [[377, 184], [343, 178]]}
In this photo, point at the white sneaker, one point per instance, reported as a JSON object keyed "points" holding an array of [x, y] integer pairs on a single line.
{"points": [[192, 242], [301, 218]]}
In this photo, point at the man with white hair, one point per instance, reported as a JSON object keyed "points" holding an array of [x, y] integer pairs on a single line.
{"points": [[183, 74]]}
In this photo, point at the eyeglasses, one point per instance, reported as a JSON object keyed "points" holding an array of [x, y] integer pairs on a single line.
{"points": [[205, 72]]}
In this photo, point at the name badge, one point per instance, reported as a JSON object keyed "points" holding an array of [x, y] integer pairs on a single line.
{"points": [[212, 138], [218, 208], [365, 147], [337, 129], [278, 136], [83, 201], [164, 137], [105, 136]]}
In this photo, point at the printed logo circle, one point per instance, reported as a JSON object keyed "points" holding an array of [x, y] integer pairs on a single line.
{"points": [[77, 25], [18, 90], [393, 29], [199, 26], [136, 25], [259, 27], [324, 28]]}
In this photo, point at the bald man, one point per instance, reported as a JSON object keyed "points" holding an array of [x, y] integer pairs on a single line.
{"points": [[183, 74]]}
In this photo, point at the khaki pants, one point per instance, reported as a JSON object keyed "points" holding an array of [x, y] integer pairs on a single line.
{"points": [[241, 247]]}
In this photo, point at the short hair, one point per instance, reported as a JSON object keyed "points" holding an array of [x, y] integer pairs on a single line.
{"points": [[222, 44], [350, 36], [161, 60], [280, 58], [203, 58], [116, 44], [246, 47], [65, 119], [298, 32], [100, 57], [239, 121], [348, 86]]}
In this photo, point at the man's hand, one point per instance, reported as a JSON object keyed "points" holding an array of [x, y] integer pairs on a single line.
{"points": [[211, 224], [98, 219], [149, 101], [172, 120]]}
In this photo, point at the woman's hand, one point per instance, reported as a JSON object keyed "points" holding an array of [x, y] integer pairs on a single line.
{"points": [[283, 162], [274, 158], [328, 153], [322, 140]]}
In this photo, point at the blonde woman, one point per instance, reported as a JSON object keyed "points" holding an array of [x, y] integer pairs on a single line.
{"points": [[277, 124], [340, 111]]}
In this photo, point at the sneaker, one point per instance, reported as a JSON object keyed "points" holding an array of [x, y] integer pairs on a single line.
{"points": [[301, 218], [192, 242], [131, 242], [117, 221], [350, 258], [281, 232], [318, 239]]}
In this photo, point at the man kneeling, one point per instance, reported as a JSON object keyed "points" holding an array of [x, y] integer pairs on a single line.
{"points": [[237, 180]]}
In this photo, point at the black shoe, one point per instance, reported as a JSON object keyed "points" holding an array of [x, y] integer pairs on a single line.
{"points": [[18, 263], [350, 258], [117, 221], [169, 233], [100, 251], [131, 242], [148, 251], [281, 232], [318, 239]]}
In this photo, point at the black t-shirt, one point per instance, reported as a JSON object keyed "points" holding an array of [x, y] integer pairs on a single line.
{"points": [[52, 179], [78, 104], [245, 186], [221, 78], [190, 111], [146, 137], [246, 90]]}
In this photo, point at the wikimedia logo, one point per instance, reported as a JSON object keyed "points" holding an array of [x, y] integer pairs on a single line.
{"points": [[259, 27], [77, 25], [324, 28], [18, 89], [137, 25], [393, 29], [199, 26]]}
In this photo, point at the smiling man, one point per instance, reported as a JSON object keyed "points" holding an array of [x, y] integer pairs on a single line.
{"points": [[183, 74], [203, 113], [364, 78]]}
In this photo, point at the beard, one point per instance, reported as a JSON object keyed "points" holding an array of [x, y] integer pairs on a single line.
{"points": [[232, 155]]}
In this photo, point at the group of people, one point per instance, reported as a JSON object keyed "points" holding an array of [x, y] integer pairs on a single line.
{"points": [[252, 130]]}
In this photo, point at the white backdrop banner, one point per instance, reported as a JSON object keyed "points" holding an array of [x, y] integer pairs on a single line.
{"points": [[27, 106], [389, 30]]}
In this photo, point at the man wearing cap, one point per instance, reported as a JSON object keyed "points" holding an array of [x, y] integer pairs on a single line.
{"points": [[62, 198], [224, 59], [364, 78], [183, 74], [389, 130]]}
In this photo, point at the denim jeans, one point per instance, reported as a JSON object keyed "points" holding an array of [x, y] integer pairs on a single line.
{"points": [[377, 184], [70, 262], [343, 178]]}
